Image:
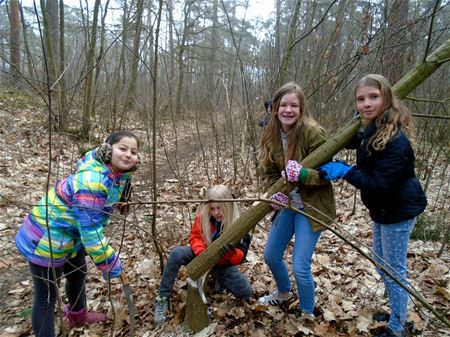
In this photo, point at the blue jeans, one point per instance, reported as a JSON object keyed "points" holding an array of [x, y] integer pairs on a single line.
{"points": [[286, 223], [229, 277], [45, 292], [390, 243]]}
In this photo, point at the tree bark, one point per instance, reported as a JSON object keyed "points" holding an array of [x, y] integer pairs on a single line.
{"points": [[155, 103], [129, 100], [14, 41], [394, 50], [26, 45], [196, 311], [62, 67], [286, 61], [120, 76], [88, 110], [422, 71], [188, 25], [50, 60]]}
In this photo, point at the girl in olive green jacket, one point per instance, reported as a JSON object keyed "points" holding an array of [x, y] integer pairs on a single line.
{"points": [[291, 135]]}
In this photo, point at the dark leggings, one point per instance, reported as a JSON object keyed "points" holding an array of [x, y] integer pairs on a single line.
{"points": [[45, 292]]}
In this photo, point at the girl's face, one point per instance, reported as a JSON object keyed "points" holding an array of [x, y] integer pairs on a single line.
{"points": [[124, 155], [369, 103], [288, 111], [215, 211]]}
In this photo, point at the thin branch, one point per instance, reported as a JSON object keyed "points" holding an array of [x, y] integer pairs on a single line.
{"points": [[430, 31]]}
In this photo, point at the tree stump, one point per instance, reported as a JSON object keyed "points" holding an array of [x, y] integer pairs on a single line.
{"points": [[196, 317]]}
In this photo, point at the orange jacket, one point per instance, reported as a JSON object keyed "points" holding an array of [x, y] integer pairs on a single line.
{"points": [[198, 244]]}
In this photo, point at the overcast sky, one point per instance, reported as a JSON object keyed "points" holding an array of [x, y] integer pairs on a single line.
{"points": [[262, 8]]}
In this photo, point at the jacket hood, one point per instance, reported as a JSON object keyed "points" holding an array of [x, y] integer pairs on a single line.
{"points": [[89, 162]]}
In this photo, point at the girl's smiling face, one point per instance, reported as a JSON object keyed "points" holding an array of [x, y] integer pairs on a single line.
{"points": [[124, 155], [288, 111], [216, 211], [369, 103]]}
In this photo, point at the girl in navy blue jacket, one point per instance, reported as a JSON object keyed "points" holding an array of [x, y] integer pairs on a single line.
{"points": [[384, 173]]}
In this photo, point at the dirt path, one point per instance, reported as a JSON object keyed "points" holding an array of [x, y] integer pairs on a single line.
{"points": [[173, 158]]}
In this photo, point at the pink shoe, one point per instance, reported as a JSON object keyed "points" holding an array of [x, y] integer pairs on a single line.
{"points": [[83, 317]]}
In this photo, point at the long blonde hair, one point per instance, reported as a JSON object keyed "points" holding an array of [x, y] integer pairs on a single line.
{"points": [[271, 135], [230, 210], [394, 117]]}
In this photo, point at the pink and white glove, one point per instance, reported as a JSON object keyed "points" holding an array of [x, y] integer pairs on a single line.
{"points": [[280, 197], [295, 172]]}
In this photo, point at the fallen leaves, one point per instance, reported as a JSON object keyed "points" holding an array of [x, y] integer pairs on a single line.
{"points": [[348, 289]]}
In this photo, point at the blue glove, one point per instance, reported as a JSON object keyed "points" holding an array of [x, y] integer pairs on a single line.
{"points": [[334, 170]]}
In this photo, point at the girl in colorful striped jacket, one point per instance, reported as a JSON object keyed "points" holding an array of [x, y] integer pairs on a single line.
{"points": [[67, 224]]}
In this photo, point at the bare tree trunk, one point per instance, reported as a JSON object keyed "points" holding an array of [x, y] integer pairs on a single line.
{"points": [[88, 110], [187, 26], [287, 58], [134, 57], [120, 75], [50, 59], [210, 86], [277, 58], [154, 145], [171, 43], [394, 49], [14, 41], [99, 60], [305, 62], [53, 16], [196, 311], [335, 56], [54, 26], [62, 65], [26, 45]]}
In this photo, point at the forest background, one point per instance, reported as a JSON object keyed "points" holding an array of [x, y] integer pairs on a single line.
{"points": [[190, 78]]}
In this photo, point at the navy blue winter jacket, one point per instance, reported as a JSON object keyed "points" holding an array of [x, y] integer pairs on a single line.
{"points": [[389, 186]]}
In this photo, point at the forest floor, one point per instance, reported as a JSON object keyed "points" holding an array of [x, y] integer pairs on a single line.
{"points": [[348, 289]]}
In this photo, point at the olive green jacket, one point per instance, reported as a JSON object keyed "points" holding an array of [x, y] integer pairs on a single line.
{"points": [[317, 193]]}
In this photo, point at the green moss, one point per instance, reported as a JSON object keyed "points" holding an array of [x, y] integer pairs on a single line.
{"points": [[25, 313], [15, 98]]}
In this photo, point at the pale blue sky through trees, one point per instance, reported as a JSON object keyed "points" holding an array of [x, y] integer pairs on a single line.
{"points": [[256, 8]]}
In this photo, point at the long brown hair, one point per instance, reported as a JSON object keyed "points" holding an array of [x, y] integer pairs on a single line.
{"points": [[271, 135], [394, 116]]}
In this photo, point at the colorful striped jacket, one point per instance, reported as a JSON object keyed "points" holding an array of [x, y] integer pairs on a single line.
{"points": [[79, 206]]}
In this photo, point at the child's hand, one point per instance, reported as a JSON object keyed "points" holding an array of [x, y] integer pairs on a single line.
{"points": [[334, 170], [112, 270], [280, 197], [226, 250], [122, 207], [294, 172], [230, 255]]}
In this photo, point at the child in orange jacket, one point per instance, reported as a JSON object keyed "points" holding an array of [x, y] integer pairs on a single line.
{"points": [[210, 222]]}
